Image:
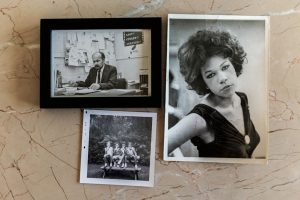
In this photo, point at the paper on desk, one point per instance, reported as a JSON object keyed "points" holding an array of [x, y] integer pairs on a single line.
{"points": [[86, 91]]}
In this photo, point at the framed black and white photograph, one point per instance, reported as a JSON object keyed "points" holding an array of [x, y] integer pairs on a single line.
{"points": [[113, 62], [217, 89], [118, 148]]}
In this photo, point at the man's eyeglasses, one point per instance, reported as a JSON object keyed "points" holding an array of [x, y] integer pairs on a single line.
{"points": [[96, 61]]}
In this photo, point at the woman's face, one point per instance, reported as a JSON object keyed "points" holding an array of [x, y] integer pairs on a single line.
{"points": [[219, 75]]}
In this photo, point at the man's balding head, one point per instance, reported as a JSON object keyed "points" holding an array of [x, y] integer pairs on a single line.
{"points": [[98, 59]]}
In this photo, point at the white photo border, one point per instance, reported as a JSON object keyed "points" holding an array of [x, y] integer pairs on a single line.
{"points": [[85, 148], [266, 19]]}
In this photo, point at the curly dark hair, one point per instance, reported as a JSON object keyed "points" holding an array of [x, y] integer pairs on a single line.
{"points": [[202, 45]]}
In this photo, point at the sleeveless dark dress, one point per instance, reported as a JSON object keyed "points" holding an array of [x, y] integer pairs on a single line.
{"points": [[228, 142]]}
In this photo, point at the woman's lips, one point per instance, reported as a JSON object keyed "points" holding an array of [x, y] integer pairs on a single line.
{"points": [[226, 87]]}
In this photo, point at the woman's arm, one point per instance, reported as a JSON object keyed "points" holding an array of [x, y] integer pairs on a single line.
{"points": [[190, 126]]}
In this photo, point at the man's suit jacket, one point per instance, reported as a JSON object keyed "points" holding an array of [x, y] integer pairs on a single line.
{"points": [[108, 80]]}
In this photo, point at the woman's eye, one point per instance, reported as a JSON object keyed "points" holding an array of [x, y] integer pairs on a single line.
{"points": [[210, 75], [225, 67]]}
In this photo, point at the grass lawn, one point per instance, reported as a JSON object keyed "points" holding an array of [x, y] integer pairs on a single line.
{"points": [[95, 171]]}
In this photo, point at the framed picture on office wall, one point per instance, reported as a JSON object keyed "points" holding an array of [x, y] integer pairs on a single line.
{"points": [[217, 89], [104, 62]]}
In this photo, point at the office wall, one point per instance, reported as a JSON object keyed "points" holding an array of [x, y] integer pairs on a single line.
{"points": [[130, 61]]}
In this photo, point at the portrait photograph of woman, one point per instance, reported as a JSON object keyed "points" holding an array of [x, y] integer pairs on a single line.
{"points": [[217, 89]]}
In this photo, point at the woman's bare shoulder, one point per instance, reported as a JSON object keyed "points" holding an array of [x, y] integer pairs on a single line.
{"points": [[187, 128], [195, 120]]}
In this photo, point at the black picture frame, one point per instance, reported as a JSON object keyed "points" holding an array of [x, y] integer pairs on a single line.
{"points": [[48, 100]]}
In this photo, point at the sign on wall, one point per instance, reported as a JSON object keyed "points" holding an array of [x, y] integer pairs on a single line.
{"points": [[133, 38]]}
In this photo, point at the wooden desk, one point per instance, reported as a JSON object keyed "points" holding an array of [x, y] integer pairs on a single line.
{"points": [[104, 93]]}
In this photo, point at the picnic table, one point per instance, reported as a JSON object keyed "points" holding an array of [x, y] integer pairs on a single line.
{"points": [[109, 169]]}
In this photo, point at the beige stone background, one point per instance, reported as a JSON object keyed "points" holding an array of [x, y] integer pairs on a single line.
{"points": [[40, 148]]}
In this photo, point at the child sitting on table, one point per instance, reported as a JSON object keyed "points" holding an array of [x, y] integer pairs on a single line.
{"points": [[108, 154], [131, 155], [123, 150], [118, 155]]}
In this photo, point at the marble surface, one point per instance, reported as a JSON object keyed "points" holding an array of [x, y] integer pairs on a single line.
{"points": [[40, 148]]}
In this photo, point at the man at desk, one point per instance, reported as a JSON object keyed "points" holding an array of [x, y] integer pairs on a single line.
{"points": [[101, 76]]}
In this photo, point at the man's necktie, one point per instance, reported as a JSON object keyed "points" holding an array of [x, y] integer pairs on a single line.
{"points": [[98, 77]]}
